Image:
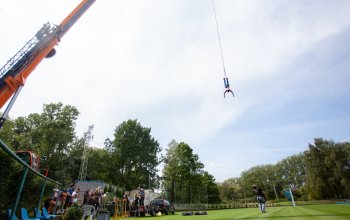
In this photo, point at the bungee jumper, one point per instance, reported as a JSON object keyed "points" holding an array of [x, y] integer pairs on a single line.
{"points": [[226, 83], [227, 87]]}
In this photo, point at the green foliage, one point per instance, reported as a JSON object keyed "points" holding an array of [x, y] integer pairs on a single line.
{"points": [[263, 176], [181, 164], [131, 159], [211, 187], [99, 165], [134, 157], [328, 170], [322, 172], [184, 179], [49, 134], [73, 213], [231, 190], [7, 174], [291, 170]]}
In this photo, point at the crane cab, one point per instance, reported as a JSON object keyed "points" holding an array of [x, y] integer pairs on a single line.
{"points": [[30, 158]]}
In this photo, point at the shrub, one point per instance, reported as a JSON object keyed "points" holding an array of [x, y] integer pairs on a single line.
{"points": [[73, 213]]}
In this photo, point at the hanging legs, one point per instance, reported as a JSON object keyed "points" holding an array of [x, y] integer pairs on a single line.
{"points": [[227, 87]]}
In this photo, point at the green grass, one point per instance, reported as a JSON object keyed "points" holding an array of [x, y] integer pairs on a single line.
{"points": [[306, 212]]}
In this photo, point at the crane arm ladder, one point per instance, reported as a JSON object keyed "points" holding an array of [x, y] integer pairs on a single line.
{"points": [[18, 68]]}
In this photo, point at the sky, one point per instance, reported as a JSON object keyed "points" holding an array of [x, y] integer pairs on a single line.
{"points": [[158, 61]]}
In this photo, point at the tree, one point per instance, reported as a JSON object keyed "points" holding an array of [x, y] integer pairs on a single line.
{"points": [[99, 166], [7, 177], [231, 190], [211, 188], [133, 155], [182, 169], [263, 176], [328, 169], [49, 134], [291, 171]]}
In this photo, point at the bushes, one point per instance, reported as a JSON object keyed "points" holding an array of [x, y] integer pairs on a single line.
{"points": [[73, 213]]}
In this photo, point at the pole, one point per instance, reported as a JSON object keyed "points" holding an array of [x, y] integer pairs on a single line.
{"points": [[274, 189], [43, 185], [199, 194], [206, 192], [14, 207], [191, 195], [174, 193], [291, 195], [9, 106]]}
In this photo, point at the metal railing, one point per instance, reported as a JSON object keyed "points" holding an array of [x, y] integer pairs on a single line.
{"points": [[24, 176]]}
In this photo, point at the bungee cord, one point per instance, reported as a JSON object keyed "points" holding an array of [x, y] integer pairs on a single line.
{"points": [[226, 83]]}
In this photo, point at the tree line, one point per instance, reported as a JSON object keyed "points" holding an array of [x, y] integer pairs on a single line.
{"points": [[321, 172], [130, 159]]}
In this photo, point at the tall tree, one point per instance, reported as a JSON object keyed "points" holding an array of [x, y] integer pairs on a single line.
{"points": [[99, 165], [134, 155], [291, 171], [182, 168], [328, 169], [212, 190]]}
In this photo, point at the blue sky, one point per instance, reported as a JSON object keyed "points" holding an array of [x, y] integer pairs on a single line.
{"points": [[158, 61]]}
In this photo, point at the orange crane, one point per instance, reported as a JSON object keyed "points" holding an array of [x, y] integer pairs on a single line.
{"points": [[15, 72]]}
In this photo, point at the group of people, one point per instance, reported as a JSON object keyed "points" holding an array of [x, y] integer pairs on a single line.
{"points": [[93, 197], [139, 197], [123, 205], [69, 196]]}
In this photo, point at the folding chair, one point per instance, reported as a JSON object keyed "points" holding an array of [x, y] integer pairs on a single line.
{"points": [[39, 215], [46, 214], [25, 216]]}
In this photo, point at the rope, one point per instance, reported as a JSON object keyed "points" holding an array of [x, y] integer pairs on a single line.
{"points": [[219, 38]]}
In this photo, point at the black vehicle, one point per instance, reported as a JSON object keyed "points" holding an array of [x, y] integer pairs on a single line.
{"points": [[161, 205]]}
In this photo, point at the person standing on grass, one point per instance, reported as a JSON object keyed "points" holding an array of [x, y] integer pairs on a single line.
{"points": [[260, 197]]}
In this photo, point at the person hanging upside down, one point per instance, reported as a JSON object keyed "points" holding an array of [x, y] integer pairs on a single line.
{"points": [[227, 87]]}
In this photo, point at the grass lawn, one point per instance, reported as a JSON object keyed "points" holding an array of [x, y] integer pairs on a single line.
{"points": [[307, 212]]}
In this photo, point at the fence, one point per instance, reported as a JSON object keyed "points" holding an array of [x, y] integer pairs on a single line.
{"points": [[186, 194]]}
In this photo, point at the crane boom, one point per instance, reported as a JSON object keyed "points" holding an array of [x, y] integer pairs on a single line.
{"points": [[18, 68]]}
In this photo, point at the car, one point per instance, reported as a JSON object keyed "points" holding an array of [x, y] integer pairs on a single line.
{"points": [[161, 205]]}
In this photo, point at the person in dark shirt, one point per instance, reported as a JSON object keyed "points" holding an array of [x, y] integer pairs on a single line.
{"points": [[141, 193], [260, 197], [86, 196], [69, 199]]}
